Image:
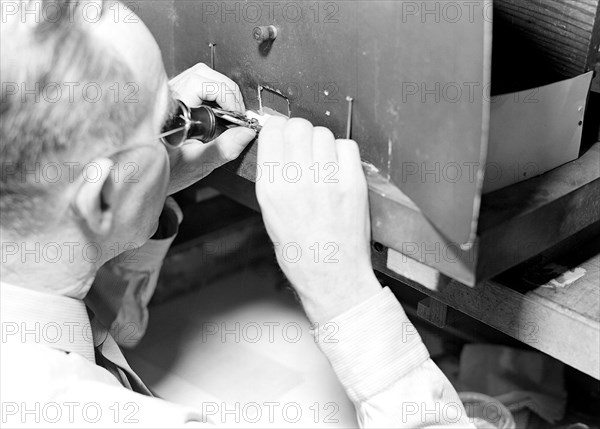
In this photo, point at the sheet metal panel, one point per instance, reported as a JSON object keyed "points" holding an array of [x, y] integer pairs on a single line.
{"points": [[418, 72]]}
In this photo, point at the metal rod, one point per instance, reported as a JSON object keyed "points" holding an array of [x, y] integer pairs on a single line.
{"points": [[212, 55], [349, 119]]}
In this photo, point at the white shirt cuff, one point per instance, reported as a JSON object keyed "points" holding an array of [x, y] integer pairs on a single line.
{"points": [[371, 346]]}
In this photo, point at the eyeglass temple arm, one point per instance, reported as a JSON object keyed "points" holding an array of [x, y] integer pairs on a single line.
{"points": [[168, 133]]}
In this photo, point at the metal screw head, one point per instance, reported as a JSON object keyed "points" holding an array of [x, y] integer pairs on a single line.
{"points": [[264, 33]]}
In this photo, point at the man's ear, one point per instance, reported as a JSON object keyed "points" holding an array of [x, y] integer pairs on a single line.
{"points": [[95, 199]]}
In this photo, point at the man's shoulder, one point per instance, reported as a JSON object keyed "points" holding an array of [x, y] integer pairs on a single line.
{"points": [[42, 385], [27, 369]]}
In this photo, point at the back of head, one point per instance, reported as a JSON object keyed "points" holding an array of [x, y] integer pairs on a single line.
{"points": [[62, 103]]}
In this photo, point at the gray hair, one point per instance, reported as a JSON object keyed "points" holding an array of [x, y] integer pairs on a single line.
{"points": [[46, 117]]}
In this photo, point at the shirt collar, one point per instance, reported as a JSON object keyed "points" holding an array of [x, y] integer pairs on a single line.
{"points": [[59, 322]]}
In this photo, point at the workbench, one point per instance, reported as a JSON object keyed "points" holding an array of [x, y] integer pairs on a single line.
{"points": [[563, 322]]}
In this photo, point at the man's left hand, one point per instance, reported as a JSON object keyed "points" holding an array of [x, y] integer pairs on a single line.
{"points": [[195, 160]]}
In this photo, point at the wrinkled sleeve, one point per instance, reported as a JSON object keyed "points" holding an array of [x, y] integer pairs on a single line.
{"points": [[386, 370]]}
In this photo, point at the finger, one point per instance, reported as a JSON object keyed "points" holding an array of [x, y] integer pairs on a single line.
{"points": [[227, 147], [224, 94], [270, 141], [180, 86], [324, 149], [297, 143], [348, 156], [211, 74], [183, 75], [227, 93], [199, 88], [199, 67], [191, 90], [201, 83]]}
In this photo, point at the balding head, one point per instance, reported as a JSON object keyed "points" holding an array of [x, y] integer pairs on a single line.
{"points": [[78, 80]]}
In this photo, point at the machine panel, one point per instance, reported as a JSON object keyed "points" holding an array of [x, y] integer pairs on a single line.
{"points": [[419, 75], [417, 71]]}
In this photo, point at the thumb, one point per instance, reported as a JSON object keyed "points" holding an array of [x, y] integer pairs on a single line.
{"points": [[229, 145]]}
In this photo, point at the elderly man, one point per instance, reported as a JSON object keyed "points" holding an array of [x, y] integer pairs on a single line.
{"points": [[84, 180]]}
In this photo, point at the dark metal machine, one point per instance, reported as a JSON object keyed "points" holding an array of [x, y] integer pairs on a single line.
{"points": [[411, 83]]}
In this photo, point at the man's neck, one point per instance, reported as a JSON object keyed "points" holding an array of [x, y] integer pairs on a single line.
{"points": [[51, 267]]}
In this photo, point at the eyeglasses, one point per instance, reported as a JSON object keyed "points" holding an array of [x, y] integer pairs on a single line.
{"points": [[202, 123]]}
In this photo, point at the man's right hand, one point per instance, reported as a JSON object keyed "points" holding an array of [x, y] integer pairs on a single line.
{"points": [[313, 195]]}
